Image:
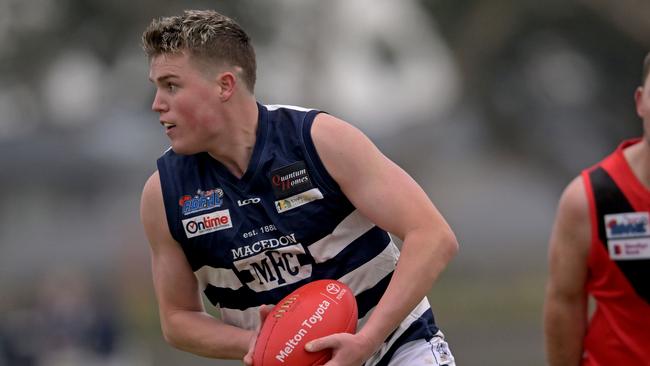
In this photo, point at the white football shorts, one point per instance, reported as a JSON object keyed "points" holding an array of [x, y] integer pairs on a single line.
{"points": [[422, 353]]}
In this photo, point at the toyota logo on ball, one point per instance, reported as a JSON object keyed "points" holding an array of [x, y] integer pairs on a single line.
{"points": [[333, 288]]}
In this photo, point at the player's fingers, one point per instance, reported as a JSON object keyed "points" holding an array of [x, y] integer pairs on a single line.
{"points": [[248, 358], [264, 312], [330, 341]]}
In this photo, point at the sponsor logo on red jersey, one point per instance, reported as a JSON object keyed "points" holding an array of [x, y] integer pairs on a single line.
{"points": [[629, 224]]}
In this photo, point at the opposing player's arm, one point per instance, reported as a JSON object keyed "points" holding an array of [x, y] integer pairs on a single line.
{"points": [[565, 308], [185, 323], [390, 198]]}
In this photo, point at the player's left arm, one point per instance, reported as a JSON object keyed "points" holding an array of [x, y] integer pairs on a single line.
{"points": [[390, 198]]}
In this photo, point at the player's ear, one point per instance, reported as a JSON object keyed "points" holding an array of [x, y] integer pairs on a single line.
{"points": [[226, 82]]}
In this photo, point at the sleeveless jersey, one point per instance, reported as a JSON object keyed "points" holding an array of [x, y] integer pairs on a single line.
{"points": [[618, 264], [252, 241]]}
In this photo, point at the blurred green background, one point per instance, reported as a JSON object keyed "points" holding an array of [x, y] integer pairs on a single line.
{"points": [[493, 106]]}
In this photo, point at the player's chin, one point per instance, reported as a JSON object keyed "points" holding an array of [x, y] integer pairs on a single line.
{"points": [[183, 149]]}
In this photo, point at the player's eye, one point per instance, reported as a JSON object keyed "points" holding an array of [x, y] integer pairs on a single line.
{"points": [[171, 87]]}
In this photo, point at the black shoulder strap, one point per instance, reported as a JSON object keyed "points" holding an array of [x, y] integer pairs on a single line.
{"points": [[610, 199]]}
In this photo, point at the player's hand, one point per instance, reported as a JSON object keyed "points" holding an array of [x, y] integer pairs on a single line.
{"points": [[264, 312], [347, 349]]}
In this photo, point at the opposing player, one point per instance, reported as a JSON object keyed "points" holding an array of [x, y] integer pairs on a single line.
{"points": [[253, 201], [600, 246]]}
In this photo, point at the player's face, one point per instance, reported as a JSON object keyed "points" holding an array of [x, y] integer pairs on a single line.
{"points": [[186, 100], [642, 98]]}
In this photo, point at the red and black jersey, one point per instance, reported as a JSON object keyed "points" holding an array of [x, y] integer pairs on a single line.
{"points": [[618, 264]]}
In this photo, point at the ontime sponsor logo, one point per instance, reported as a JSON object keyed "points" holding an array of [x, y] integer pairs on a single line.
{"points": [[207, 223]]}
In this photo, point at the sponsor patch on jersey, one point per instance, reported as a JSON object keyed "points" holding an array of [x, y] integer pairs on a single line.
{"points": [[626, 225], [207, 223], [628, 235], [290, 179], [201, 201], [629, 249], [248, 201], [298, 200]]}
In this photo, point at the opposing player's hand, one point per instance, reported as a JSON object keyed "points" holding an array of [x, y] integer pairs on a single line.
{"points": [[347, 349], [264, 312]]}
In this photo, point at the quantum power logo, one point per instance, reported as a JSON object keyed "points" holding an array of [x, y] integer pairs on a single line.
{"points": [[208, 223]]}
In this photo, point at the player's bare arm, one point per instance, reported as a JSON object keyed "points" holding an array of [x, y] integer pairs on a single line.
{"points": [[185, 323], [565, 309], [388, 196]]}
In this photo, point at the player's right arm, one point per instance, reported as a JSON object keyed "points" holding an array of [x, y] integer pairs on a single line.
{"points": [[185, 324], [565, 307]]}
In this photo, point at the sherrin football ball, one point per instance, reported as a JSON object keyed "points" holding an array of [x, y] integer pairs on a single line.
{"points": [[312, 311]]}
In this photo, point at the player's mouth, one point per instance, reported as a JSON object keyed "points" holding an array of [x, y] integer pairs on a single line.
{"points": [[169, 128], [167, 125]]}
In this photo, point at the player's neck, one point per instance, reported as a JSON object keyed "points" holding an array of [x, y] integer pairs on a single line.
{"points": [[638, 156], [234, 147]]}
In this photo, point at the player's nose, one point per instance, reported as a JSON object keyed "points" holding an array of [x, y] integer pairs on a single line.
{"points": [[158, 105]]}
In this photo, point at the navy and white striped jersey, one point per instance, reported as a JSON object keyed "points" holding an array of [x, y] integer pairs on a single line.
{"points": [[285, 222]]}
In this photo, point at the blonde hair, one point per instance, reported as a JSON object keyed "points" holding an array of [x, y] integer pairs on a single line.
{"points": [[208, 36]]}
